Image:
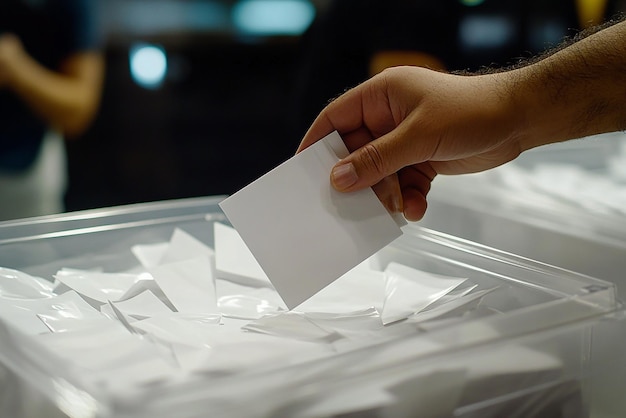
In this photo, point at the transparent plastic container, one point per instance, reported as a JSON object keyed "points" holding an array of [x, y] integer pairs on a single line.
{"points": [[539, 345], [551, 227]]}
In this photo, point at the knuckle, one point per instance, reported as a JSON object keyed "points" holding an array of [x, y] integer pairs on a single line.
{"points": [[372, 159]]}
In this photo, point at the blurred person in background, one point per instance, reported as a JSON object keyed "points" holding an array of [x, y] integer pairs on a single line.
{"points": [[352, 40], [51, 76]]}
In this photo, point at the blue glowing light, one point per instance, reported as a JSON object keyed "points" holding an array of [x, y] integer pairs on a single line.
{"points": [[486, 31], [148, 65], [273, 17]]}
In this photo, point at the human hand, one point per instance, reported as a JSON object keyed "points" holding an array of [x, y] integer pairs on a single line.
{"points": [[11, 51], [408, 124]]}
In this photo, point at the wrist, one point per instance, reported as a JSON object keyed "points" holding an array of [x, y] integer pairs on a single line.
{"points": [[542, 116], [509, 105], [532, 124]]}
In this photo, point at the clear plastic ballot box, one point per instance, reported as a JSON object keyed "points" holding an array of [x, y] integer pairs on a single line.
{"points": [[562, 204], [538, 341]]}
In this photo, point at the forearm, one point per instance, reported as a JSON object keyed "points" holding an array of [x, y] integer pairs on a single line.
{"points": [[68, 99], [577, 91]]}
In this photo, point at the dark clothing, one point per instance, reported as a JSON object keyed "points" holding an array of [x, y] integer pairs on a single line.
{"points": [[50, 31], [339, 45]]}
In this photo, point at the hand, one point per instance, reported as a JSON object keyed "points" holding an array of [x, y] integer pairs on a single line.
{"points": [[408, 124], [11, 52]]}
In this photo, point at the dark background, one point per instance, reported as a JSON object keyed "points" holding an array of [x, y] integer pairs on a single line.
{"points": [[234, 105], [220, 119]]}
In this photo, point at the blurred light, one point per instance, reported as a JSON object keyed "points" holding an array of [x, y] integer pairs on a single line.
{"points": [[483, 31], [472, 2], [148, 65], [545, 33], [141, 17], [273, 17]]}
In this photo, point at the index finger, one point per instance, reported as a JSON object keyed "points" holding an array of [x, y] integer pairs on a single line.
{"points": [[344, 114]]}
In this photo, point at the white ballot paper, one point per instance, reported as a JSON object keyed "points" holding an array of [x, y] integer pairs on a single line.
{"points": [[303, 233]]}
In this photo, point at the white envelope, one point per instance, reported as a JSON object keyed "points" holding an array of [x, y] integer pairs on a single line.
{"points": [[303, 233]]}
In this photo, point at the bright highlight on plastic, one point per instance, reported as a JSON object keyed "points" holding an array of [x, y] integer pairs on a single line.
{"points": [[273, 17], [148, 65]]}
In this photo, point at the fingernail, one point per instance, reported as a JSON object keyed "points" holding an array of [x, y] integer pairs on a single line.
{"points": [[397, 203], [343, 176]]}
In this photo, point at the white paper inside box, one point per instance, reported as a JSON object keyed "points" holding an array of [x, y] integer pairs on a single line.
{"points": [[563, 204], [156, 310]]}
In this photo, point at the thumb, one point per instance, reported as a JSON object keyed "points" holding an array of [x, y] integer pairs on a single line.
{"points": [[371, 163]]}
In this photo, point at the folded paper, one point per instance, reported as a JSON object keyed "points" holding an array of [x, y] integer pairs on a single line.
{"points": [[233, 259], [189, 284], [409, 291]]}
